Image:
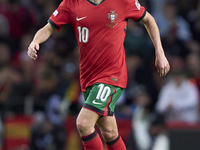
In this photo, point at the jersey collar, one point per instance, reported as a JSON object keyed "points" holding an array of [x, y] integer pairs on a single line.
{"points": [[95, 4]]}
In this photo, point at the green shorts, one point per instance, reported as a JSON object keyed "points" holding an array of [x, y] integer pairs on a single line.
{"points": [[102, 98]]}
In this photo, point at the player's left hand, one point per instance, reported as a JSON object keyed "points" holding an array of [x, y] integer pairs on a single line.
{"points": [[162, 64]]}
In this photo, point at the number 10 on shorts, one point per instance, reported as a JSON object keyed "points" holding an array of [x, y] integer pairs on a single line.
{"points": [[103, 93]]}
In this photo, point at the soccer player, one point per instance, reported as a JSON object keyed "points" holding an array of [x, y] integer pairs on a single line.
{"points": [[99, 27]]}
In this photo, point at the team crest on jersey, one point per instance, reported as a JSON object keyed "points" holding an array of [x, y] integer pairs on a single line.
{"points": [[112, 16]]}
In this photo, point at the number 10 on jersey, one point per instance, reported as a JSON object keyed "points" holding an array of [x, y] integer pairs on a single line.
{"points": [[83, 34]]}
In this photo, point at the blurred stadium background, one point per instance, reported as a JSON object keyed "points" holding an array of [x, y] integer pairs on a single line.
{"points": [[39, 100]]}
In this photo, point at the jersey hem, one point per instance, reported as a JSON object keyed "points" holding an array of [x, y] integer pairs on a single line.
{"points": [[142, 16], [83, 89]]}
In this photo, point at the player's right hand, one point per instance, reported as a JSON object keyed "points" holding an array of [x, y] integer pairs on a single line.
{"points": [[162, 64], [32, 50]]}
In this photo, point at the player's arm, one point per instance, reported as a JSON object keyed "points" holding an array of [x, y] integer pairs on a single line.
{"points": [[161, 62], [41, 36]]}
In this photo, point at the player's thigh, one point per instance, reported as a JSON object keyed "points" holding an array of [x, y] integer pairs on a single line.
{"points": [[102, 98], [108, 127], [86, 121]]}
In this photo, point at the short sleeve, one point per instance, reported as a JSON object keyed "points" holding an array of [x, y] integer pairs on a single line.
{"points": [[135, 11], [60, 16]]}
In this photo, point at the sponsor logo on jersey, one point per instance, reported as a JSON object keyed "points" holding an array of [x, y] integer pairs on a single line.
{"points": [[112, 16], [94, 102], [78, 19], [137, 4], [55, 13]]}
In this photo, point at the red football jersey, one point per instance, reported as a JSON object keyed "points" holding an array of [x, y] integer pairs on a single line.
{"points": [[100, 32]]}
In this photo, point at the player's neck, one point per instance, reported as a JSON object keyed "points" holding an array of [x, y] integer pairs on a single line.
{"points": [[97, 1]]}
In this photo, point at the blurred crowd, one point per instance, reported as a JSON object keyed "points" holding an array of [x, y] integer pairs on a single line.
{"points": [[49, 89]]}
